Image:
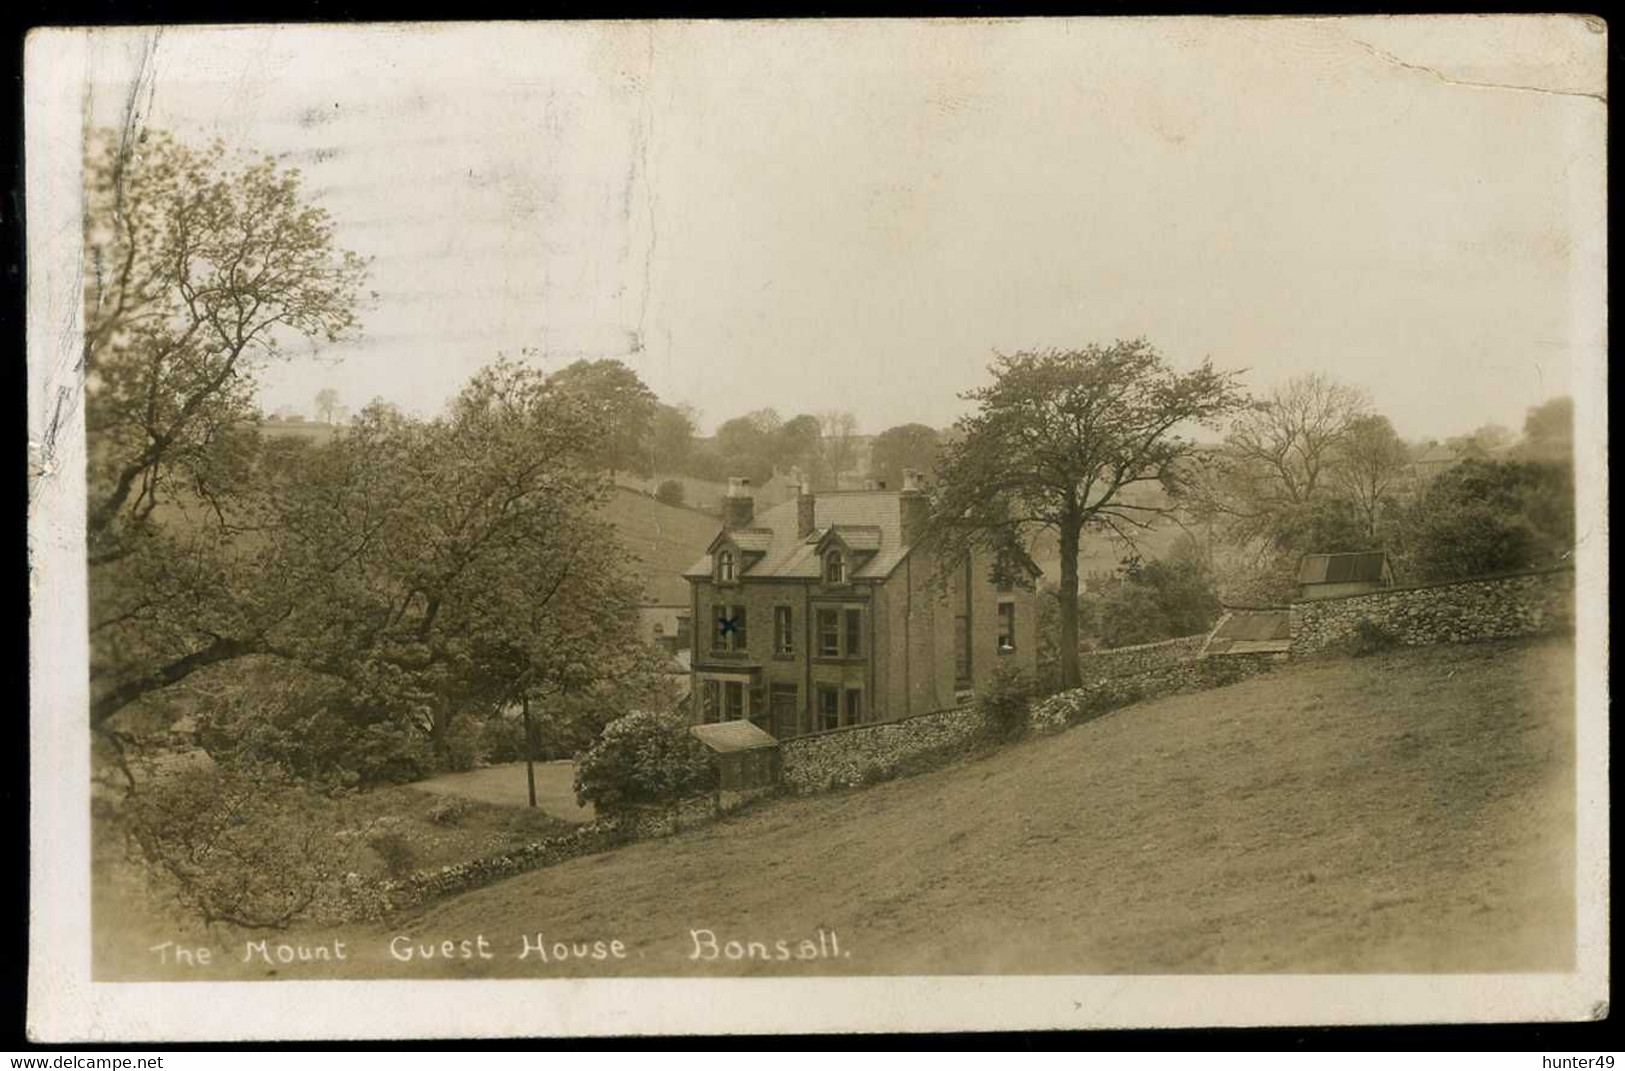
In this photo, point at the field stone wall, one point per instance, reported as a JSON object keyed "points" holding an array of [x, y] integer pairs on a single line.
{"points": [[1522, 604], [639, 823], [1140, 658], [847, 757], [416, 889], [1102, 694]]}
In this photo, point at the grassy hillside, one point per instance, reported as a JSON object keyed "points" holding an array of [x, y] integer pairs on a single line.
{"points": [[666, 539], [1406, 812]]}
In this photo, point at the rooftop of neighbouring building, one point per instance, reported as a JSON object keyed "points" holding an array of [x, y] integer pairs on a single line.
{"points": [[1342, 568], [724, 737]]}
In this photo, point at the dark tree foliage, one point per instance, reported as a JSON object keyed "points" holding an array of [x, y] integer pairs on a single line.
{"points": [[626, 410], [1056, 441], [748, 445], [1160, 600], [1488, 517], [907, 446]]}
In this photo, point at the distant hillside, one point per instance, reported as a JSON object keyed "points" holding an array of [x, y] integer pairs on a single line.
{"points": [[666, 539]]}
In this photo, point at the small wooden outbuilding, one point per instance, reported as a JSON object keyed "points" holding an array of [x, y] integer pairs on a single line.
{"points": [[746, 756], [1327, 576]]}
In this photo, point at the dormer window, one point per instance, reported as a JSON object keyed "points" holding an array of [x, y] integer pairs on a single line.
{"points": [[725, 566], [834, 567]]}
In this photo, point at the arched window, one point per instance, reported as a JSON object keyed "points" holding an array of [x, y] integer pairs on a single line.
{"points": [[725, 565], [834, 568]]}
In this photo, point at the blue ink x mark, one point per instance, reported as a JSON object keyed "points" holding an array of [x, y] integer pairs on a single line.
{"points": [[728, 624]]}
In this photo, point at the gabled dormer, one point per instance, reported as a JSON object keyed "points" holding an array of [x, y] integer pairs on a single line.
{"points": [[735, 550], [843, 549]]}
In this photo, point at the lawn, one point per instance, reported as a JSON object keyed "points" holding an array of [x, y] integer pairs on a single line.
{"points": [[1409, 812], [506, 786]]}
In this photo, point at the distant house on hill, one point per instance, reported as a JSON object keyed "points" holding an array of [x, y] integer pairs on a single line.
{"points": [[818, 614], [1431, 462], [1326, 576]]}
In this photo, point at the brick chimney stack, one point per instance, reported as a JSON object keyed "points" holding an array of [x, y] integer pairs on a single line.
{"points": [[806, 512], [739, 508], [913, 505]]}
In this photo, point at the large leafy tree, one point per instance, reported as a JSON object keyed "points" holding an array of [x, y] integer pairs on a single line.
{"points": [[1548, 432], [1371, 465], [838, 445], [907, 446], [432, 568], [1280, 458], [1483, 517], [748, 445], [201, 267], [671, 437], [799, 446], [1056, 440], [626, 407], [1161, 599]]}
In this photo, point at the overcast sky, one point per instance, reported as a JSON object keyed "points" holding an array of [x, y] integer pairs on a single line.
{"points": [[838, 215]]}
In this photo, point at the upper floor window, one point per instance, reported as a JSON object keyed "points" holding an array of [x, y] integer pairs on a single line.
{"points": [[1007, 627], [725, 566], [829, 634], [834, 567], [840, 632], [729, 634], [784, 640]]}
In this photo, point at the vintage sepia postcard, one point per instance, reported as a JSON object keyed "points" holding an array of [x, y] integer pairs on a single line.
{"points": [[579, 528]]}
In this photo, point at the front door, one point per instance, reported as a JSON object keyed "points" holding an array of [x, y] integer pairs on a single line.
{"points": [[784, 714]]}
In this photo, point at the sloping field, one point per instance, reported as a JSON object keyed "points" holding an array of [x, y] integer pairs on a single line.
{"points": [[666, 540], [1409, 812]]}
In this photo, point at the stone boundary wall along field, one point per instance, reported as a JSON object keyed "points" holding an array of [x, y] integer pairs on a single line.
{"points": [[1140, 658], [850, 756], [1482, 608], [1104, 694]]}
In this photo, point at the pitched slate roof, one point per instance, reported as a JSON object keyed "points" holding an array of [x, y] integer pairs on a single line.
{"points": [[1251, 632], [866, 520], [1341, 568], [726, 736], [751, 540], [859, 537]]}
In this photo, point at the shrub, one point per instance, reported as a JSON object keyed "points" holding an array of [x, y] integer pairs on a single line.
{"points": [[1005, 704], [391, 753], [448, 810], [670, 492], [396, 852], [1369, 638], [1218, 672], [247, 846], [502, 739], [464, 747], [643, 759]]}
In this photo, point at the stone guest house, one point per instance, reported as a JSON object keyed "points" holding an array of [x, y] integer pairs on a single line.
{"points": [[820, 614]]}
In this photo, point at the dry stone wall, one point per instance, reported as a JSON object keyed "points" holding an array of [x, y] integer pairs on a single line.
{"points": [[1523, 604], [1104, 694], [1140, 658], [846, 757]]}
